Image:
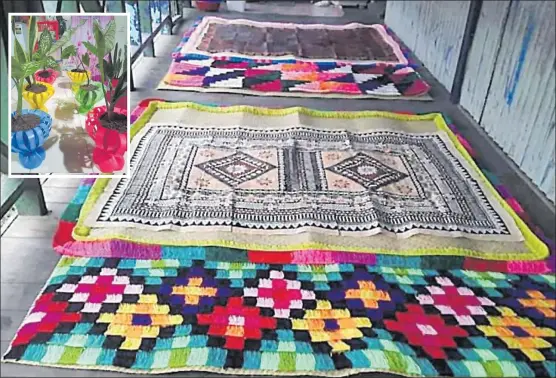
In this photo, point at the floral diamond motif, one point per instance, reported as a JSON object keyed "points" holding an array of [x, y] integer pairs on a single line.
{"points": [[367, 171], [235, 169]]}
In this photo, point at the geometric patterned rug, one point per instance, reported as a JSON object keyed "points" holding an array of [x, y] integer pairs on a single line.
{"points": [[368, 63], [306, 180], [159, 316], [250, 312]]}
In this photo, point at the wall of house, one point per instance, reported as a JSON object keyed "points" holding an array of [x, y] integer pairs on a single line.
{"points": [[433, 30], [509, 85]]}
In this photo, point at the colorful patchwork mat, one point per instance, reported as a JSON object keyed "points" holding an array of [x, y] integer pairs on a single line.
{"points": [[380, 69], [362, 174], [158, 316]]}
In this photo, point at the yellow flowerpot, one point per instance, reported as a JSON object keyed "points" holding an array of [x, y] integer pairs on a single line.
{"points": [[37, 100], [77, 78]]}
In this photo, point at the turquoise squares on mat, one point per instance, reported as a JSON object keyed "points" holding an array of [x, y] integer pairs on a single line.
{"points": [[143, 360], [270, 361], [480, 342], [321, 286], [192, 253], [236, 283], [53, 354], [163, 344], [34, 352], [216, 357], [89, 356], [106, 357], [198, 357], [127, 264], [269, 345], [182, 330], [198, 341], [305, 361], [285, 335], [161, 359], [358, 359], [95, 341], [59, 338], [323, 362], [57, 279], [303, 347], [153, 281], [252, 359], [81, 328]]}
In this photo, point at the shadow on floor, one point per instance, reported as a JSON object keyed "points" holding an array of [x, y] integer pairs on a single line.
{"points": [[75, 148]]}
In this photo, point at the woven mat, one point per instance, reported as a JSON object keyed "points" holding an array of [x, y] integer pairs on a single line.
{"points": [[222, 68], [351, 43], [159, 316], [228, 186]]}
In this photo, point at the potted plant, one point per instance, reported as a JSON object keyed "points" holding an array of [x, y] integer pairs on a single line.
{"points": [[89, 93], [35, 93], [208, 5], [44, 55], [107, 124], [50, 68], [29, 127]]}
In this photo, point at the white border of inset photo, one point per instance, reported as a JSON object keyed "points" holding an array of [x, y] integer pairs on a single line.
{"points": [[126, 171]]}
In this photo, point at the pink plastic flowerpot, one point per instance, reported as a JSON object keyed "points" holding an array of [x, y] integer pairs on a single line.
{"points": [[208, 5], [49, 80], [110, 145]]}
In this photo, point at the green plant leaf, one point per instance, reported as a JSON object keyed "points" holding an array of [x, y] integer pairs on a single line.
{"points": [[17, 72], [65, 38], [108, 69], [19, 53], [45, 42], [85, 59], [110, 35], [52, 63], [99, 39], [30, 68], [120, 89], [90, 47], [68, 51], [32, 34]]}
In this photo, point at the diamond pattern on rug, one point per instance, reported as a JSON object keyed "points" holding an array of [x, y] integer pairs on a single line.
{"points": [[367, 171], [187, 314], [235, 169]]}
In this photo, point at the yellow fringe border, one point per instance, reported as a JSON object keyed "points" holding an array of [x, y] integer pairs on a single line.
{"points": [[538, 250]]}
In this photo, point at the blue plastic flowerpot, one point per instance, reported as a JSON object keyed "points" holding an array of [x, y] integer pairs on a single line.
{"points": [[28, 143]]}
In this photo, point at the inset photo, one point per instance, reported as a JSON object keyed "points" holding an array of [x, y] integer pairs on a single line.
{"points": [[69, 94]]}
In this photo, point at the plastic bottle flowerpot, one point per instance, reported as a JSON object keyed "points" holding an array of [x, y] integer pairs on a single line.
{"points": [[46, 76], [28, 143], [110, 145], [37, 100], [87, 98], [208, 5], [77, 78]]}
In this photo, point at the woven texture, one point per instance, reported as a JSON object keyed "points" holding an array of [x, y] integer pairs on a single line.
{"points": [[336, 319], [269, 75], [222, 163]]}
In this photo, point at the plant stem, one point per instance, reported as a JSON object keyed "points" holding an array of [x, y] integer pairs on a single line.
{"points": [[19, 96]]}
